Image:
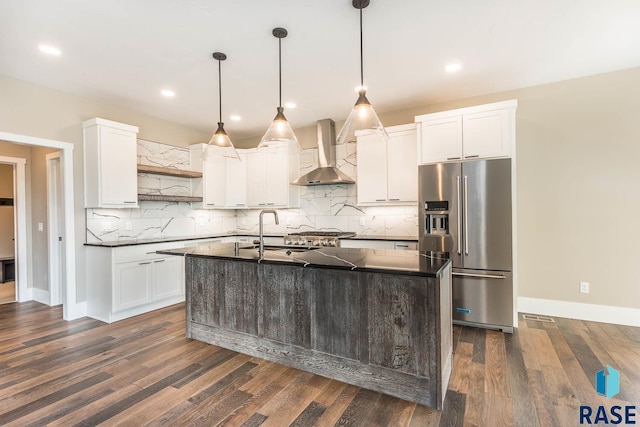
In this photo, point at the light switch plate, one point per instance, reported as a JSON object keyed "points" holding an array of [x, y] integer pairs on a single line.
{"points": [[40, 226], [584, 287]]}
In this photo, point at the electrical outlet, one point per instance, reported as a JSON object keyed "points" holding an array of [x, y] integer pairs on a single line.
{"points": [[362, 221], [128, 225], [106, 226], [584, 287], [40, 226]]}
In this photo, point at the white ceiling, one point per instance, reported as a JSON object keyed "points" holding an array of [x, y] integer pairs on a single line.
{"points": [[123, 52]]}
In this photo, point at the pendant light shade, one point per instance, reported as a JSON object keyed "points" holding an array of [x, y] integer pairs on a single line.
{"points": [[220, 139], [279, 132], [363, 118]]}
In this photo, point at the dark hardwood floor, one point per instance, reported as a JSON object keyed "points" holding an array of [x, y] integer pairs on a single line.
{"points": [[143, 371]]}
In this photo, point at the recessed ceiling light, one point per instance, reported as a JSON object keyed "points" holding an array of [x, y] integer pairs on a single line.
{"points": [[290, 105], [49, 50], [168, 93], [453, 67], [235, 118]]}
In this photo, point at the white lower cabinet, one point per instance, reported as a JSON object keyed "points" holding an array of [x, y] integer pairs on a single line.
{"points": [[130, 280]]}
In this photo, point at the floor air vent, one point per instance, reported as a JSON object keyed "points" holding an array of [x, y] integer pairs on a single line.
{"points": [[538, 318]]}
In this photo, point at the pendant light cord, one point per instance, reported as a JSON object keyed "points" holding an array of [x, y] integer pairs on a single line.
{"points": [[361, 55], [220, 89], [280, 72]]}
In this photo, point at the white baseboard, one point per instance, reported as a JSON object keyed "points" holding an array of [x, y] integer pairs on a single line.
{"points": [[76, 311], [581, 311], [40, 296]]}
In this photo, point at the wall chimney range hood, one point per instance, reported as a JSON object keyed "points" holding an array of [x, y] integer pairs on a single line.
{"points": [[327, 173]]}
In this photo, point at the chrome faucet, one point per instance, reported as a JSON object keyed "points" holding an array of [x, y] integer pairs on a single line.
{"points": [[262, 212]]}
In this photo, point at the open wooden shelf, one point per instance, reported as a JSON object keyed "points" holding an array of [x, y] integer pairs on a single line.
{"points": [[156, 170], [167, 198]]}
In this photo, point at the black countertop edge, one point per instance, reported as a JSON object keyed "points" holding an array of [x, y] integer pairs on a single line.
{"points": [[366, 260], [378, 237], [119, 243]]}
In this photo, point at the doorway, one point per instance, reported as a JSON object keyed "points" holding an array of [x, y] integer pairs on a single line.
{"points": [[7, 234], [72, 309]]}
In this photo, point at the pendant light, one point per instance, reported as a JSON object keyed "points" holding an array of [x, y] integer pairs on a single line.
{"points": [[279, 132], [220, 137], [362, 117]]}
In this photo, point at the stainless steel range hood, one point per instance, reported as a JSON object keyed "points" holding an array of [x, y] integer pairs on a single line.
{"points": [[327, 173]]}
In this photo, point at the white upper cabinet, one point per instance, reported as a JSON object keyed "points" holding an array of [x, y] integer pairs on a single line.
{"points": [[214, 172], [223, 184], [261, 178], [269, 175], [110, 164], [387, 170], [236, 182], [487, 134], [483, 131], [441, 139]]}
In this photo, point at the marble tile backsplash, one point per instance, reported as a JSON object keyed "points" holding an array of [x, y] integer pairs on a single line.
{"points": [[323, 207]]}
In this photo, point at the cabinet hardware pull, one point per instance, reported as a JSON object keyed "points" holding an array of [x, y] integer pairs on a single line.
{"points": [[144, 263], [270, 204], [394, 200], [459, 217], [381, 200], [471, 157], [466, 219], [453, 158], [402, 246], [479, 276], [160, 260], [239, 204], [128, 202]]}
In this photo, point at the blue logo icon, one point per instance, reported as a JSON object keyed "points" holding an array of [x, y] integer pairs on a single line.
{"points": [[608, 384]]}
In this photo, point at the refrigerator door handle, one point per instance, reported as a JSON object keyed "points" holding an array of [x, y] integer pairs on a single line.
{"points": [[480, 276], [459, 217], [466, 223]]}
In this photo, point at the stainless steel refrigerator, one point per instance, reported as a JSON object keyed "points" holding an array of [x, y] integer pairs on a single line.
{"points": [[465, 214]]}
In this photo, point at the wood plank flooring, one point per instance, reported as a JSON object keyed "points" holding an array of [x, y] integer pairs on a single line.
{"points": [[7, 292], [143, 371]]}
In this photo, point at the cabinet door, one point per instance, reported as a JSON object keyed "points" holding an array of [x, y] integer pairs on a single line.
{"points": [[371, 180], [214, 181], [441, 140], [402, 167], [236, 184], [277, 169], [256, 176], [132, 285], [168, 277], [118, 168], [486, 134]]}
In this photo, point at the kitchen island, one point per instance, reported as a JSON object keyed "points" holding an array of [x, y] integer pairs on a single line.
{"points": [[379, 319]]}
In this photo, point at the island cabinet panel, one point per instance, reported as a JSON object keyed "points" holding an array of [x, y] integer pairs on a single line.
{"points": [[339, 309], [401, 334], [284, 305], [375, 330]]}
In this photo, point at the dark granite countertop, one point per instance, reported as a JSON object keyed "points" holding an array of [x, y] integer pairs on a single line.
{"points": [[373, 260], [119, 243], [377, 237]]}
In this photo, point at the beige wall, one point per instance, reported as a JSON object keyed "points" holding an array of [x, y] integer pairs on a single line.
{"points": [[578, 184], [27, 109]]}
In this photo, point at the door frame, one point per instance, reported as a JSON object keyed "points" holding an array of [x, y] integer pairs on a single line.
{"points": [[19, 225], [72, 309], [54, 206]]}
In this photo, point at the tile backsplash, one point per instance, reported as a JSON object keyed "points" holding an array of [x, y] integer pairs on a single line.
{"points": [[323, 207]]}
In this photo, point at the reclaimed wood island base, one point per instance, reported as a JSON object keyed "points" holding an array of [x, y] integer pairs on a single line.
{"points": [[385, 331]]}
